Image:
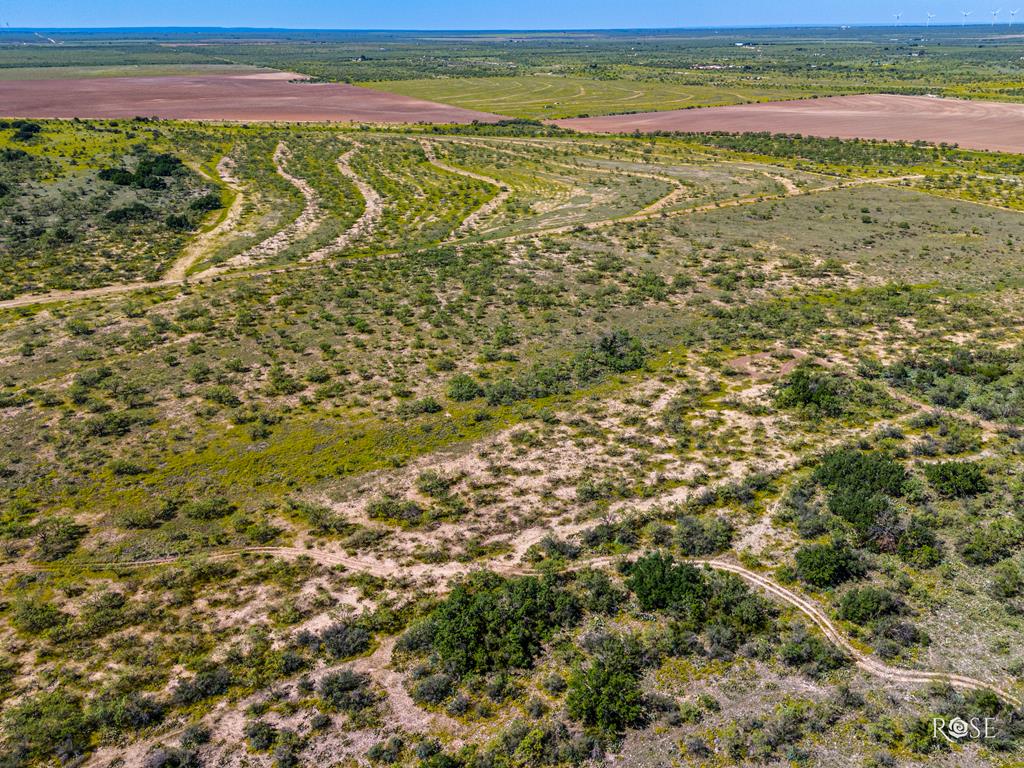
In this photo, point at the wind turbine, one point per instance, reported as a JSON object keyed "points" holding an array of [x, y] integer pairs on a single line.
{"points": [[928, 19], [965, 14], [1012, 14], [898, 16], [995, 15]]}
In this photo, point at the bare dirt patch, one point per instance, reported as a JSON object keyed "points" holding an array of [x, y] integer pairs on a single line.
{"points": [[221, 97], [972, 124]]}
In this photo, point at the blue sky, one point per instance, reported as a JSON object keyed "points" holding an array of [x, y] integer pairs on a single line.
{"points": [[480, 14]]}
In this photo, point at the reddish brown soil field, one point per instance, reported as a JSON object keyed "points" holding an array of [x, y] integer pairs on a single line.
{"points": [[971, 124], [221, 97]]}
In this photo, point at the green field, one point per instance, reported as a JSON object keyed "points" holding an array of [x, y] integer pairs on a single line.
{"points": [[553, 96]]}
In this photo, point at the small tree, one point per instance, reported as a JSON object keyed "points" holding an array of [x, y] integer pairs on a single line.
{"points": [[462, 387], [826, 565], [605, 694]]}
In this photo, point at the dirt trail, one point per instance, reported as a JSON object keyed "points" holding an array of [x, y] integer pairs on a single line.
{"points": [[440, 574], [787, 184], [469, 223], [199, 246], [865, 662], [306, 222], [705, 208], [206, 276], [410, 716], [373, 208]]}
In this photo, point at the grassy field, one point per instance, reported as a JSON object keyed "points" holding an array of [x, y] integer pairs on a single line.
{"points": [[548, 96]]}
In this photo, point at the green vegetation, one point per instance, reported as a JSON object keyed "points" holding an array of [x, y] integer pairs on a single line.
{"points": [[545, 96], [433, 466], [99, 203]]}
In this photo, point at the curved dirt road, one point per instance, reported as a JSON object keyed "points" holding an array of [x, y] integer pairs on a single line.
{"points": [[305, 223], [864, 661], [208, 275], [389, 568]]}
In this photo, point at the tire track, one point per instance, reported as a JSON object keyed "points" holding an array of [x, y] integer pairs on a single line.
{"points": [[197, 248], [678, 191]]}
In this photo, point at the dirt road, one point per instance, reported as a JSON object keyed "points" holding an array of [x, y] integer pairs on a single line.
{"points": [[386, 568], [199, 246], [113, 290]]}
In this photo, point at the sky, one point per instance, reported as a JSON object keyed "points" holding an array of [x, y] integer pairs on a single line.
{"points": [[484, 14]]}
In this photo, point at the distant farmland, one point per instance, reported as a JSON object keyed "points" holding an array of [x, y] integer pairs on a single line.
{"points": [[269, 96], [553, 97], [970, 124]]}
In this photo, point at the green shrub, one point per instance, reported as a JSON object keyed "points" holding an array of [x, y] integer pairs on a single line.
{"points": [[462, 388], [859, 507], [394, 509], [213, 508], [988, 545], [179, 222], [119, 713], [810, 654], [131, 212], [434, 484], [204, 685], [695, 537], [36, 616], [826, 565], [261, 735], [46, 727], [490, 623], [433, 689], [423, 405], [605, 693], [222, 395], [956, 479], [866, 604], [58, 537], [815, 390], [345, 639], [206, 203], [346, 691], [388, 752], [659, 582], [850, 470], [918, 545]]}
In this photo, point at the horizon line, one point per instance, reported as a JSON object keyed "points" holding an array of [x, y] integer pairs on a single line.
{"points": [[493, 30]]}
